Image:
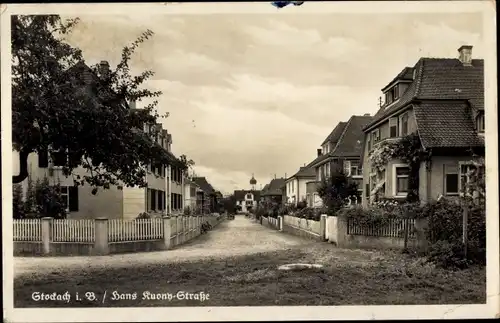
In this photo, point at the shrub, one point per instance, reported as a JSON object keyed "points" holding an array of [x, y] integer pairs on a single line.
{"points": [[143, 215], [301, 205], [45, 200], [188, 210], [335, 190], [17, 202], [448, 254], [445, 233], [309, 213]]}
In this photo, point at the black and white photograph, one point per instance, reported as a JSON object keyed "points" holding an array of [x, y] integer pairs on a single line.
{"points": [[238, 161]]}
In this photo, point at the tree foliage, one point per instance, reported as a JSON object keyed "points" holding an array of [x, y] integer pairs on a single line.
{"points": [[335, 190], [59, 104]]}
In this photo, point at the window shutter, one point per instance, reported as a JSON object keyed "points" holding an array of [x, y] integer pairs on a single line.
{"points": [[73, 198], [393, 127], [43, 158]]}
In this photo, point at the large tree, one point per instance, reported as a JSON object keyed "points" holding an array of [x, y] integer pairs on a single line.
{"points": [[60, 104]]}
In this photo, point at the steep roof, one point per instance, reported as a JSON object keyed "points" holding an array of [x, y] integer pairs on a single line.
{"points": [[204, 184], [304, 172], [350, 143], [336, 133], [440, 78], [446, 124], [275, 187]]}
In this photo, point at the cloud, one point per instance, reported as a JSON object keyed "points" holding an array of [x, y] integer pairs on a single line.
{"points": [[258, 93]]}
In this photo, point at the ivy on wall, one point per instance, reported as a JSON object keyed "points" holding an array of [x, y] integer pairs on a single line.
{"points": [[410, 151]]}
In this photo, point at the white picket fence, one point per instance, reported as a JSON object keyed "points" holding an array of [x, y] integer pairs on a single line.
{"points": [[136, 230], [27, 230], [64, 230]]}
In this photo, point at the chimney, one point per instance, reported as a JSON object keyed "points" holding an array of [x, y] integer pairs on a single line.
{"points": [[319, 152], [132, 104], [465, 55], [104, 68]]}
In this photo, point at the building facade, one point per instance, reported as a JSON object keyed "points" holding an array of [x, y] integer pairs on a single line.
{"points": [[340, 152], [296, 185], [441, 102]]}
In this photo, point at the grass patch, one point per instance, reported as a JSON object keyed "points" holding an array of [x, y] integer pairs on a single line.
{"points": [[349, 277]]}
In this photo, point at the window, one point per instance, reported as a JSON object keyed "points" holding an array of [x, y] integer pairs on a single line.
{"points": [[388, 97], [395, 92], [347, 167], [69, 195], [367, 190], [249, 196], [369, 142], [153, 199], [393, 127], [375, 136], [59, 158], [402, 178], [450, 179], [293, 186], [404, 124], [160, 200], [43, 158], [355, 168], [480, 122], [192, 191]]}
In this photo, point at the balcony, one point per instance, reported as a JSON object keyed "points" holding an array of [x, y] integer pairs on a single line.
{"points": [[383, 141]]}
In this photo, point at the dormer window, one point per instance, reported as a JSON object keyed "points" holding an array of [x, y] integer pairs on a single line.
{"points": [[480, 123], [392, 95]]}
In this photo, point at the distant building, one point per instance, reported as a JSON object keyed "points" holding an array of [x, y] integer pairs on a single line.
{"points": [[274, 191], [295, 185], [246, 200]]}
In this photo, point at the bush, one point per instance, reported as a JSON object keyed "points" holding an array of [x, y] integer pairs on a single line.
{"points": [[143, 215], [445, 233], [448, 255], [188, 211], [42, 200], [309, 213], [301, 205], [18, 211], [335, 190]]}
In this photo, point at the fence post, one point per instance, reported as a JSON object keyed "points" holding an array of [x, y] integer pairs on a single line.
{"points": [[322, 227], [179, 229], [191, 227], [46, 234], [101, 236], [167, 231]]}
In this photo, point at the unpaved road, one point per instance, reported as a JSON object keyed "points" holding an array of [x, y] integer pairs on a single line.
{"points": [[241, 236]]}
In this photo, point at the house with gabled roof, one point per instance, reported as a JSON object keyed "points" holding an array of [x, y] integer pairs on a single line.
{"points": [[441, 102], [295, 185], [207, 195], [246, 200], [341, 151], [274, 191]]}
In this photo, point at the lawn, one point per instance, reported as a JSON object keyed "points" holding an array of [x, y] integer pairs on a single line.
{"points": [[349, 277]]}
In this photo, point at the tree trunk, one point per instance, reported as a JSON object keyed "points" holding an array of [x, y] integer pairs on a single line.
{"points": [[23, 167]]}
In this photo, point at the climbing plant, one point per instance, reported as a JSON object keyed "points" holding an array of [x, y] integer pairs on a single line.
{"points": [[409, 150]]}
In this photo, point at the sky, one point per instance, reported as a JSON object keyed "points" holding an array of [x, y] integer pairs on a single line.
{"points": [[258, 93]]}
